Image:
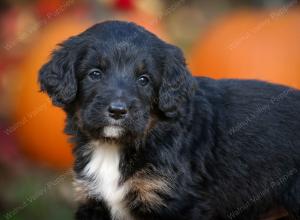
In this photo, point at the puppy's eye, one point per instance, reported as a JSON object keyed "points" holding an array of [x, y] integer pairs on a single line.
{"points": [[143, 80], [95, 75]]}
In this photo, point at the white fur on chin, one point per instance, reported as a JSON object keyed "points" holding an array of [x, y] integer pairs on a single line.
{"points": [[112, 131]]}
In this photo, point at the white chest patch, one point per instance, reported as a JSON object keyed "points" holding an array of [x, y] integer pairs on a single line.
{"points": [[103, 170]]}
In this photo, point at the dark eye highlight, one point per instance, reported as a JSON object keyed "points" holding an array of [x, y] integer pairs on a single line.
{"points": [[95, 74], [143, 80]]}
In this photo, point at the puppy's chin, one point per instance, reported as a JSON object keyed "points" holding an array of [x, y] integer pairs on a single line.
{"points": [[112, 131]]}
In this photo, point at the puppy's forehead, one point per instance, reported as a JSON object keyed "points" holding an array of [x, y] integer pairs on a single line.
{"points": [[123, 44], [124, 52]]}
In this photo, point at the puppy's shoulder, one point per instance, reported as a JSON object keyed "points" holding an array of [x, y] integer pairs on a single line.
{"points": [[208, 88]]}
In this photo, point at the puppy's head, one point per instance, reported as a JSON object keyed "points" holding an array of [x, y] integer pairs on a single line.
{"points": [[114, 78]]}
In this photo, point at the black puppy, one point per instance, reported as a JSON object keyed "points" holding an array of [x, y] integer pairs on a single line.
{"points": [[153, 142]]}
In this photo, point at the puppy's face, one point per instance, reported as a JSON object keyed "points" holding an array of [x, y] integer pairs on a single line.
{"points": [[115, 78], [116, 90]]}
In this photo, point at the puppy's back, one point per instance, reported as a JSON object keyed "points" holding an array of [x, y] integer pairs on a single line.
{"points": [[256, 137]]}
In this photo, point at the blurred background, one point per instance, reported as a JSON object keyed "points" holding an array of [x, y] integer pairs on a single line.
{"points": [[258, 39]]}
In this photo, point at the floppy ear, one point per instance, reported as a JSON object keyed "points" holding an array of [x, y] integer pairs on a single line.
{"points": [[57, 77], [177, 85]]}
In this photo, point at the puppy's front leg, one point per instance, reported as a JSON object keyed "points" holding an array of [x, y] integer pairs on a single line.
{"points": [[92, 210]]}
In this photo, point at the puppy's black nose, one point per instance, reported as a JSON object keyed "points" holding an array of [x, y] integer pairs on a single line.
{"points": [[117, 110]]}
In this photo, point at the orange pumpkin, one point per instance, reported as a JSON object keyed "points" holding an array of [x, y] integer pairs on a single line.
{"points": [[39, 125], [251, 44]]}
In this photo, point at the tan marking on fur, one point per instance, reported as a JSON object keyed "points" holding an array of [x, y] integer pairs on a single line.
{"points": [[141, 68], [151, 123], [79, 119], [81, 194], [146, 185]]}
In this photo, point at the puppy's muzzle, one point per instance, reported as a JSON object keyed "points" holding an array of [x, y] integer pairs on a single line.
{"points": [[117, 110]]}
